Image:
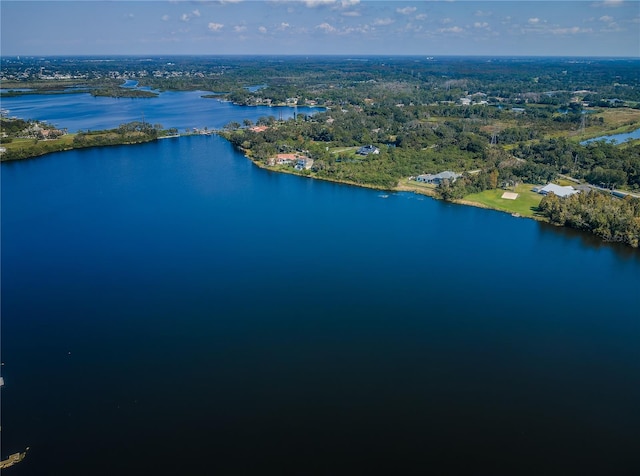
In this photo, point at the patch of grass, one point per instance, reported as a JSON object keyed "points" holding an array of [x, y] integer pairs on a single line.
{"points": [[616, 121], [407, 185], [341, 150], [564, 182], [618, 117], [525, 205], [25, 148]]}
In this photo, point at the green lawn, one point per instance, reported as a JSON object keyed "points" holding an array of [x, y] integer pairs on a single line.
{"points": [[341, 150], [66, 139], [525, 205]]}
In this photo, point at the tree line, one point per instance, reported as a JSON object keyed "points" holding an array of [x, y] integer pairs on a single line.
{"points": [[610, 218]]}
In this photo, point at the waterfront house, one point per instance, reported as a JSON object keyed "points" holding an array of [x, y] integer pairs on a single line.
{"points": [[303, 163], [558, 190], [437, 179]]}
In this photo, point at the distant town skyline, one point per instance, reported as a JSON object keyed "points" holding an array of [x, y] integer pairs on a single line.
{"points": [[321, 27]]}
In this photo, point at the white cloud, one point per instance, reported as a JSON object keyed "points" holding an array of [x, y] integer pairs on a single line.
{"points": [[606, 19], [239, 28], [262, 29], [165, 17], [483, 24], [318, 3], [533, 21], [406, 10], [351, 13], [196, 13], [326, 28], [184, 17], [335, 4], [283, 26], [360, 29], [610, 3], [481, 13], [422, 16], [453, 29], [571, 31], [446, 21], [382, 21], [215, 26]]}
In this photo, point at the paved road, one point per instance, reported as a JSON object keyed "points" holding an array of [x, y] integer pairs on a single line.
{"points": [[595, 187]]}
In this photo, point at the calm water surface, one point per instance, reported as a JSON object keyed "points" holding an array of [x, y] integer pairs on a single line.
{"points": [[617, 138], [183, 110], [170, 308]]}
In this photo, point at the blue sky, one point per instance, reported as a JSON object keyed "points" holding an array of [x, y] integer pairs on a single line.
{"points": [[308, 27]]}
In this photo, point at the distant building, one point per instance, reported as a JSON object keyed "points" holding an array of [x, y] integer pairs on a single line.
{"points": [[300, 162], [558, 190], [437, 179], [368, 149], [303, 163]]}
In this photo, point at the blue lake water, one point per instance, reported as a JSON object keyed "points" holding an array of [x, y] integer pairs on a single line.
{"points": [[183, 110], [618, 138], [169, 308]]}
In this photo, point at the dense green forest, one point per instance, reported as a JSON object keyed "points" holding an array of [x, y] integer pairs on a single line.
{"points": [[334, 78], [610, 218]]}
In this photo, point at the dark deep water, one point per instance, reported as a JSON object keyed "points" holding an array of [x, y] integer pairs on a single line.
{"points": [[171, 309]]}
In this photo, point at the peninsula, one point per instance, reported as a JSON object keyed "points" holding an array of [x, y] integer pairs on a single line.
{"points": [[26, 139]]}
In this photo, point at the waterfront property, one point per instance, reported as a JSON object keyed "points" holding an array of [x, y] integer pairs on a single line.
{"points": [[298, 160], [303, 163], [559, 190], [437, 179]]}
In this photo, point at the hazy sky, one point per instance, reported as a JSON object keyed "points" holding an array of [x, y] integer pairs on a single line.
{"points": [[542, 28]]}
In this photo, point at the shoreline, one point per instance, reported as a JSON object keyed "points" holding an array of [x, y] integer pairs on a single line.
{"points": [[398, 188]]}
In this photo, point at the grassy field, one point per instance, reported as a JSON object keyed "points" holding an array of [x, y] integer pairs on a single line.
{"points": [[407, 185], [616, 121], [345, 150], [27, 143], [25, 148], [619, 117], [525, 205]]}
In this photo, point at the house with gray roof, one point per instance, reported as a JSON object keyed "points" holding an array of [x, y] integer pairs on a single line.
{"points": [[558, 190], [368, 149], [437, 179]]}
